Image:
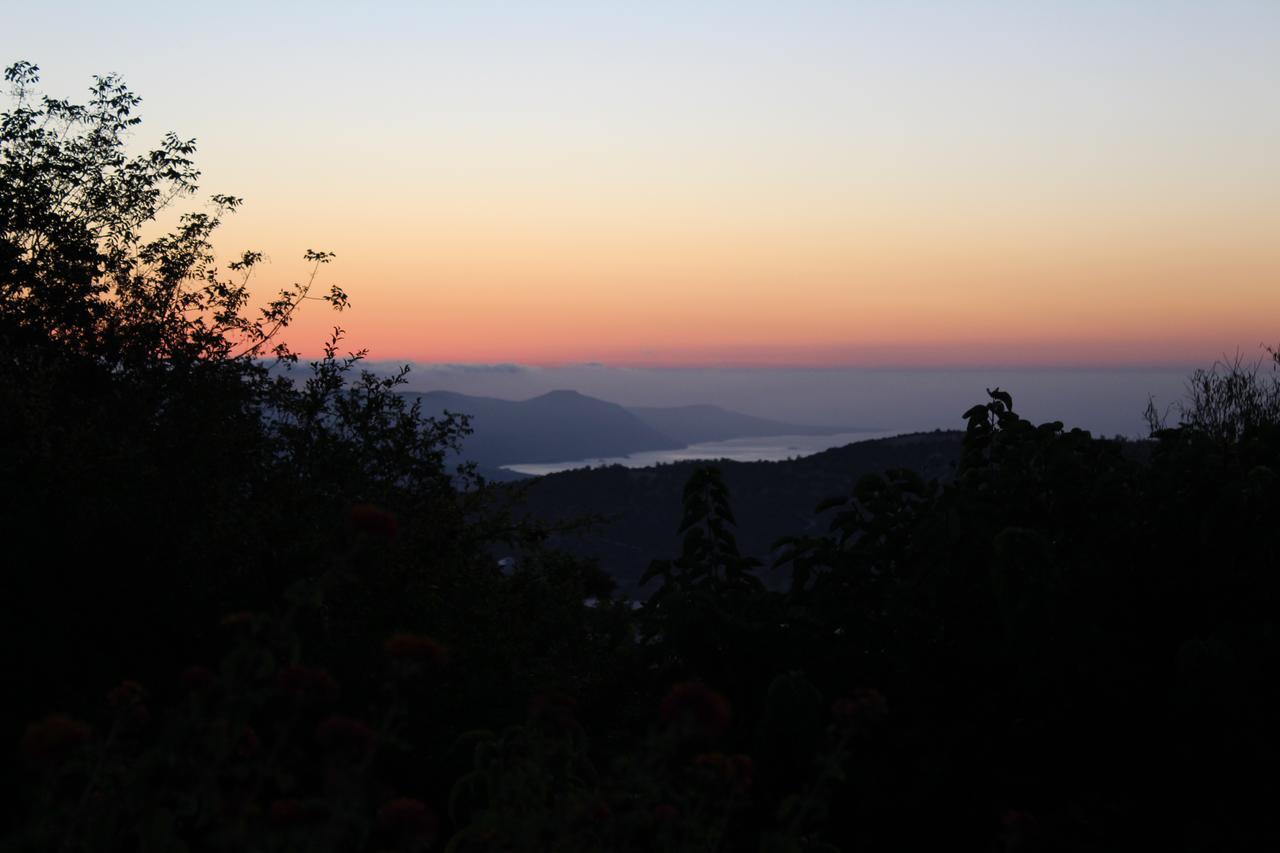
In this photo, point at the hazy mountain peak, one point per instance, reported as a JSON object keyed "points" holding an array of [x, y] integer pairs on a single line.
{"points": [[557, 426], [566, 425], [565, 394]]}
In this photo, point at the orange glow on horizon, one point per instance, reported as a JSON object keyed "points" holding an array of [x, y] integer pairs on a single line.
{"points": [[773, 304], [750, 184]]}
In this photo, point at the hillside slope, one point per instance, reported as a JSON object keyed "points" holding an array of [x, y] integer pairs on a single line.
{"points": [[564, 426], [559, 426], [770, 499]]}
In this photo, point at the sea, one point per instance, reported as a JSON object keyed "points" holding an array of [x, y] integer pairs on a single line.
{"points": [[772, 448]]}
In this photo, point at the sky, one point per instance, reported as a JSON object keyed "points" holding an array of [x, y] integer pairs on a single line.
{"points": [[729, 184]]}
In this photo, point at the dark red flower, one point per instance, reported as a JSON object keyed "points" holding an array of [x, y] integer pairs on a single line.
{"points": [[1018, 830], [128, 698], [697, 709], [288, 812], [405, 817], [553, 711], [343, 734], [665, 812], [844, 710], [743, 770], [864, 707], [242, 744], [248, 744], [198, 679], [126, 694], [373, 520], [50, 742], [736, 770], [305, 682], [416, 648], [291, 812]]}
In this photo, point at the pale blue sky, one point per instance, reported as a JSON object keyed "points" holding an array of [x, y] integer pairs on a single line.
{"points": [[449, 151]]}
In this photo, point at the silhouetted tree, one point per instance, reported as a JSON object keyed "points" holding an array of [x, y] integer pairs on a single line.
{"points": [[160, 460]]}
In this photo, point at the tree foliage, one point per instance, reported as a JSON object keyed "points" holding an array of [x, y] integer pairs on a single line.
{"points": [[161, 460]]}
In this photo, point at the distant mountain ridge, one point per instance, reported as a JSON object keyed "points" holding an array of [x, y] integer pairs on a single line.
{"points": [[555, 427], [563, 426], [699, 423]]}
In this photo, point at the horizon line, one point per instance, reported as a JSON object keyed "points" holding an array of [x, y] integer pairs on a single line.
{"points": [[507, 366]]}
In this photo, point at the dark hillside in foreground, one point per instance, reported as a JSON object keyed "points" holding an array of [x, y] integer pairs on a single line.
{"points": [[771, 499]]}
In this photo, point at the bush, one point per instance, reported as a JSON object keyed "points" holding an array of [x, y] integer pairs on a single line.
{"points": [[1229, 400]]}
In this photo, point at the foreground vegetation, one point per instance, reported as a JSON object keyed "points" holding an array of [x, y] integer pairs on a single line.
{"points": [[251, 609]]}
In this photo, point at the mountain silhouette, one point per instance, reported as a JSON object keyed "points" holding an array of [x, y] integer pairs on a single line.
{"points": [[558, 426], [564, 426]]}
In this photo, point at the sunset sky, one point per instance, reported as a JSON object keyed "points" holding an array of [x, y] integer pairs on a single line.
{"points": [[730, 183]]}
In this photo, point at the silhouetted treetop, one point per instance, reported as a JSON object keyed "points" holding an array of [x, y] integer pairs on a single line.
{"points": [[77, 267]]}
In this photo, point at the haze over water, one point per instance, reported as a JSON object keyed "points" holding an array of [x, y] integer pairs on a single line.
{"points": [[763, 449], [1105, 401]]}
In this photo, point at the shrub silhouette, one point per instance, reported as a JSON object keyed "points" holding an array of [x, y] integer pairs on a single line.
{"points": [[1228, 400]]}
